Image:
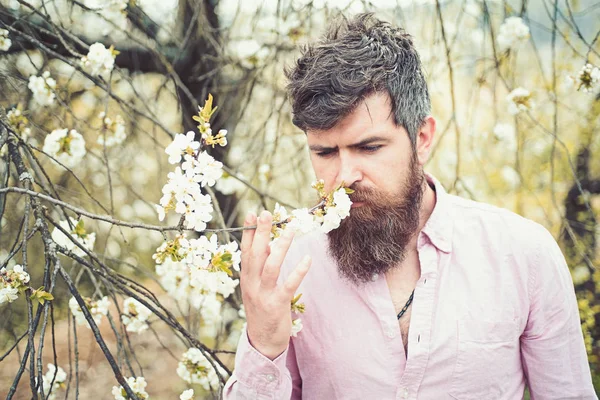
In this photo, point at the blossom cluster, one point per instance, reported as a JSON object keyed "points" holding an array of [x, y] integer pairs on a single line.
{"points": [[5, 42], [135, 315], [198, 271], [587, 79], [78, 233], [19, 122], [519, 100], [114, 131], [42, 88], [512, 32], [12, 282], [66, 146], [326, 216], [137, 385], [99, 61], [196, 369], [182, 192], [53, 380], [97, 308]]}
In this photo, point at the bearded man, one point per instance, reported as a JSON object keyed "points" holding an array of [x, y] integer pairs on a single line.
{"points": [[418, 293]]}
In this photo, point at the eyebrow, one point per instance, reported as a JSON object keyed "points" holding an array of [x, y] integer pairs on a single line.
{"points": [[364, 142]]}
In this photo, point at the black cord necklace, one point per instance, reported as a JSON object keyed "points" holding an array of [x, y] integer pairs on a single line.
{"points": [[410, 299]]}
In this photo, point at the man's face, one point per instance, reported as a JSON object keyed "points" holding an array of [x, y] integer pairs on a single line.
{"points": [[369, 153], [366, 150]]}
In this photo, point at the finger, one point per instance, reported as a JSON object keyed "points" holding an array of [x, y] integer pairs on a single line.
{"points": [[260, 245], [272, 266], [247, 239], [296, 276]]}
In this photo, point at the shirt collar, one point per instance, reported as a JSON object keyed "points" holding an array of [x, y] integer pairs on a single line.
{"points": [[440, 225]]}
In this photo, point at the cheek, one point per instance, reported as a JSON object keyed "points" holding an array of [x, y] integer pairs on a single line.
{"points": [[324, 169]]}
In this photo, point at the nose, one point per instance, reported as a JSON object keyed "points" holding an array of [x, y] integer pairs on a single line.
{"points": [[350, 171]]}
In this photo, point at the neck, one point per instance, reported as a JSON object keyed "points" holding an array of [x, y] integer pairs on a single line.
{"points": [[427, 206]]}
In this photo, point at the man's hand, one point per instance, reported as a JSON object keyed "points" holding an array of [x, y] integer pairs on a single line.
{"points": [[267, 305]]}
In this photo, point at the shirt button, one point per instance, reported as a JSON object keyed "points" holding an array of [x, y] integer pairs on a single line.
{"points": [[374, 277], [405, 393], [390, 333], [270, 377]]}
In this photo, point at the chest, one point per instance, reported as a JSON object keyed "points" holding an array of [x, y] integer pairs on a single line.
{"points": [[401, 283]]}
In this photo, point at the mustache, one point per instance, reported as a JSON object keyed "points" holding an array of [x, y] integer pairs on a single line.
{"points": [[368, 195], [362, 195]]}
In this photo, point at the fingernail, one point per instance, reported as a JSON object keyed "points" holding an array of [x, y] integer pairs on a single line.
{"points": [[263, 215]]}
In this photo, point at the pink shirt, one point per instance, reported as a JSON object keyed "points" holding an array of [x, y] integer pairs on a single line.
{"points": [[494, 310]]}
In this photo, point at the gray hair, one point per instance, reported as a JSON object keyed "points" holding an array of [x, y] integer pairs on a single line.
{"points": [[356, 58]]}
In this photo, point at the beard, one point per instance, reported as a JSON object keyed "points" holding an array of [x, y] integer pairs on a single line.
{"points": [[374, 237]]}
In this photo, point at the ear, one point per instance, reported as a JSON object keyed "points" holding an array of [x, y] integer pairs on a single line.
{"points": [[425, 140]]}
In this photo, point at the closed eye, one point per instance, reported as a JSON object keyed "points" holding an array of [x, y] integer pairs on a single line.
{"points": [[371, 149], [325, 153]]}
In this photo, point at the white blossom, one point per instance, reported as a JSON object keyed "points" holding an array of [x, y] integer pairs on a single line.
{"points": [[182, 194], [506, 134], [207, 169], [331, 221], [19, 122], [250, 53], [195, 368], [112, 10], [296, 327], [580, 274], [512, 32], [8, 294], [187, 395], [181, 144], [519, 100], [99, 61], [78, 232], [97, 309], [264, 173], [114, 131], [137, 385], [587, 78], [510, 176], [198, 212], [5, 42], [53, 380], [210, 308], [135, 315], [280, 214], [199, 272], [336, 212], [227, 184], [42, 88], [67, 147], [11, 281], [302, 222]]}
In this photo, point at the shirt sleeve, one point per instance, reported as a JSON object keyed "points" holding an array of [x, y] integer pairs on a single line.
{"points": [[552, 347], [257, 377]]}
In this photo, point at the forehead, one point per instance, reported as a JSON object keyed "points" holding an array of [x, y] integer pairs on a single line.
{"points": [[372, 117]]}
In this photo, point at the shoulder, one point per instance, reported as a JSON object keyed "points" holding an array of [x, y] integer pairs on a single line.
{"points": [[498, 226]]}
